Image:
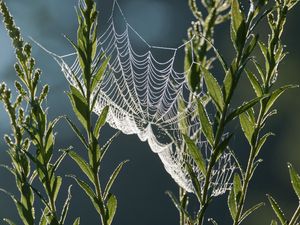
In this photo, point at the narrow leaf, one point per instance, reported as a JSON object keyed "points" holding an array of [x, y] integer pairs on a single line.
{"points": [[214, 89], [77, 221], [113, 177], [195, 181], [232, 204], [101, 121], [274, 222], [86, 169], [295, 179], [66, 207], [182, 123], [237, 185], [111, 208], [243, 108], [277, 210], [247, 126], [88, 191], [276, 94], [236, 15], [255, 83], [79, 105], [251, 210], [222, 147], [177, 203], [205, 123], [77, 132], [212, 221], [99, 75], [10, 222], [196, 154], [261, 142]]}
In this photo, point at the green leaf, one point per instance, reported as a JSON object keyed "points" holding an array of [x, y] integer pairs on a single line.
{"points": [[177, 204], [277, 210], [196, 154], [65, 209], [295, 179], [243, 108], [195, 181], [232, 204], [79, 105], [77, 132], [255, 83], [222, 147], [182, 123], [238, 32], [212, 221], [237, 16], [111, 208], [101, 121], [113, 177], [247, 126], [251, 46], [77, 221], [214, 89], [88, 191], [99, 75], [205, 124], [264, 50], [10, 222], [86, 169], [274, 222], [56, 186], [251, 210], [24, 213], [106, 146], [194, 75], [261, 142], [276, 94], [237, 185], [228, 83]]}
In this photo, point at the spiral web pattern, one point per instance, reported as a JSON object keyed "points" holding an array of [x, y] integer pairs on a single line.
{"points": [[143, 93]]}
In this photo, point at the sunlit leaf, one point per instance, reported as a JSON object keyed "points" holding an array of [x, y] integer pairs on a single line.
{"points": [[277, 210], [205, 123], [113, 177], [84, 166], [196, 154], [247, 126], [251, 210], [295, 179], [101, 121], [213, 88], [111, 208]]}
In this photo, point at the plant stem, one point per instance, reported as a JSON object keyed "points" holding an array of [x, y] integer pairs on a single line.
{"points": [[295, 216], [181, 214]]}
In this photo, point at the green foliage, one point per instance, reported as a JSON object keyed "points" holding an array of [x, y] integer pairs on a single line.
{"points": [[31, 146], [254, 113], [295, 181], [31, 130], [83, 101]]}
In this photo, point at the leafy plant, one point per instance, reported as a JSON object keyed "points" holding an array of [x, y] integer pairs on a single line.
{"points": [[31, 144], [83, 103], [295, 180], [31, 130], [243, 23]]}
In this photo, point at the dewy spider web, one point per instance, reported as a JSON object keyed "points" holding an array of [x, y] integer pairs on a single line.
{"points": [[143, 94]]}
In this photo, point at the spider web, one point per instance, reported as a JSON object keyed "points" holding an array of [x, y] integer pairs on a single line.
{"points": [[144, 93]]}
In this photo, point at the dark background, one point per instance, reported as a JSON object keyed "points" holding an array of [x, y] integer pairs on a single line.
{"points": [[142, 184]]}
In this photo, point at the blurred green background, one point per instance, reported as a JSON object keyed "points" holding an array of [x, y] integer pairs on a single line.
{"points": [[142, 184]]}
